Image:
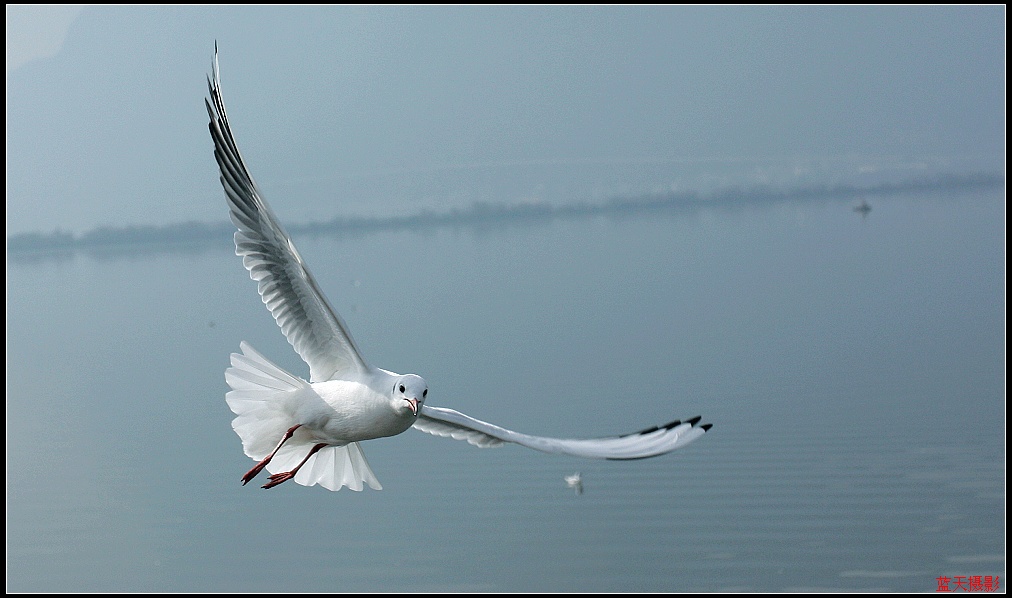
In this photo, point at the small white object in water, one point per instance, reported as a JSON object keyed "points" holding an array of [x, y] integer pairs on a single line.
{"points": [[575, 482]]}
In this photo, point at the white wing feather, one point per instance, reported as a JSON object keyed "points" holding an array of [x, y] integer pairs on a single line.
{"points": [[320, 336], [651, 442], [287, 288]]}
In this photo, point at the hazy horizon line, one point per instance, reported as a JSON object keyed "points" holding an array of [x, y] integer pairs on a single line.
{"points": [[36, 245]]}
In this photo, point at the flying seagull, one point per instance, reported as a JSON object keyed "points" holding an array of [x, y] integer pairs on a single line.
{"points": [[311, 431]]}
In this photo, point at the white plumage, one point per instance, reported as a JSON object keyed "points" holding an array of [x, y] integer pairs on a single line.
{"points": [[310, 431]]}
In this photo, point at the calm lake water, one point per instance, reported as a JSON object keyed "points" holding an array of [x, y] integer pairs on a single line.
{"points": [[853, 368]]}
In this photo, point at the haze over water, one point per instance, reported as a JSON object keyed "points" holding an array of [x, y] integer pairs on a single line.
{"points": [[852, 367], [572, 221]]}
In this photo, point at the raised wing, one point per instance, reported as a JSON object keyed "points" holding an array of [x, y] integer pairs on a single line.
{"points": [[289, 291], [651, 442]]}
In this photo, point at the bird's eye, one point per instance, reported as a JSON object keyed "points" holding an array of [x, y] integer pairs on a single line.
{"points": [[402, 388], [425, 392]]}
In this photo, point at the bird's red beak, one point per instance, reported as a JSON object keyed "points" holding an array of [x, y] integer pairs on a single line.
{"points": [[414, 406]]}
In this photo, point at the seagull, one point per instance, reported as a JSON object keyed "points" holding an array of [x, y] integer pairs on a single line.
{"points": [[311, 431]]}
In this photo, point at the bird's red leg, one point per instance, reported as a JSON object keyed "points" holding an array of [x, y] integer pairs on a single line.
{"points": [[287, 475], [260, 466]]}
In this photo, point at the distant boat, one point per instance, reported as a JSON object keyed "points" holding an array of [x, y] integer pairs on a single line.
{"points": [[864, 208]]}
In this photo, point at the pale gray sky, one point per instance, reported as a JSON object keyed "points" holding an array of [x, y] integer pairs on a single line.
{"points": [[378, 109], [36, 31]]}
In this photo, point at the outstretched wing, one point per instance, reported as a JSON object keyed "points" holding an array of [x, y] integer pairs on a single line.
{"points": [[651, 442], [289, 291]]}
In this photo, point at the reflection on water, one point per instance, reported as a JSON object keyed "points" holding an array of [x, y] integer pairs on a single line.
{"points": [[853, 370]]}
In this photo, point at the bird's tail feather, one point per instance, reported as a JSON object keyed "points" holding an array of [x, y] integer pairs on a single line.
{"points": [[259, 390], [331, 467], [258, 398]]}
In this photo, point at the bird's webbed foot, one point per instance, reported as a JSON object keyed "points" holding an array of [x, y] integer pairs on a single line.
{"points": [[279, 478]]}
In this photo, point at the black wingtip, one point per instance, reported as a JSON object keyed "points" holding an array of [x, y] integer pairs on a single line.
{"points": [[669, 426]]}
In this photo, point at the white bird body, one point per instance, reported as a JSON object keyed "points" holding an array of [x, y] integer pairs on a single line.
{"points": [[310, 431], [338, 413], [342, 411]]}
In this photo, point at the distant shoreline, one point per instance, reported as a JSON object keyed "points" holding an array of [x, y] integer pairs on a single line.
{"points": [[38, 244]]}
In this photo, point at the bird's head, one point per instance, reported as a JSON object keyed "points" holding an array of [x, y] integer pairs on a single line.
{"points": [[409, 393]]}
